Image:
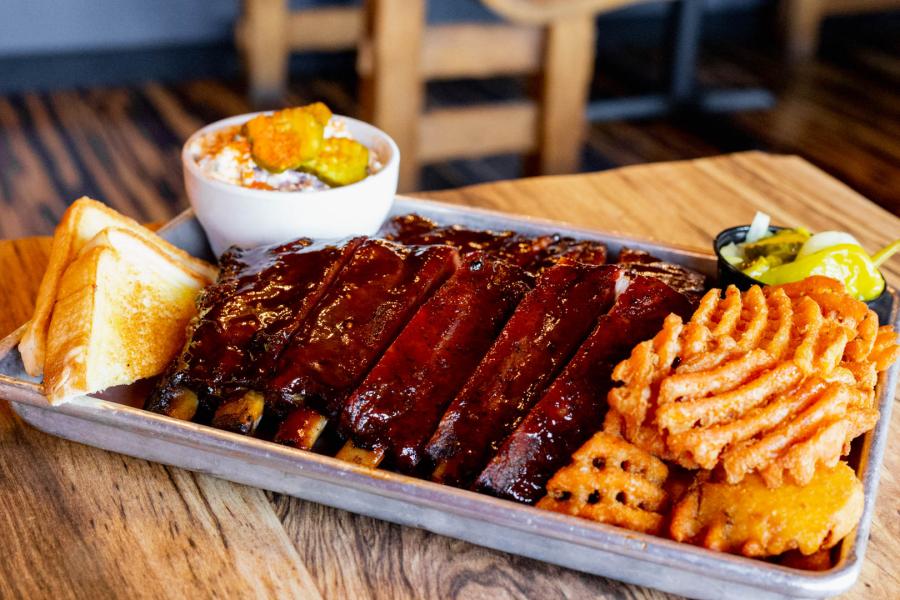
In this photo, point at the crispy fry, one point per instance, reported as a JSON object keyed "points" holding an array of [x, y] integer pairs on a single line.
{"points": [[647, 438], [611, 481], [862, 346], [885, 350], [829, 294], [752, 519], [775, 381], [651, 360]]}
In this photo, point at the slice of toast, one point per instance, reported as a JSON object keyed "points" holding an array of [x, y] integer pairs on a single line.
{"points": [[83, 220], [120, 315]]}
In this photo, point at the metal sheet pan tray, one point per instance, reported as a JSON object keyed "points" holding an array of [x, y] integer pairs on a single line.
{"points": [[503, 525]]}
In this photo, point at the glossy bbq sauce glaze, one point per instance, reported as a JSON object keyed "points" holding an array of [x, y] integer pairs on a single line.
{"points": [[530, 253], [397, 406], [359, 316], [573, 407], [260, 298], [543, 332], [436, 351]]}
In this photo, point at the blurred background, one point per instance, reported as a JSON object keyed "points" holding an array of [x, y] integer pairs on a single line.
{"points": [[96, 98]]}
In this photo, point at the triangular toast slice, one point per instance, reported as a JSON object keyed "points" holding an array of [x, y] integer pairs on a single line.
{"points": [[83, 220], [121, 312]]}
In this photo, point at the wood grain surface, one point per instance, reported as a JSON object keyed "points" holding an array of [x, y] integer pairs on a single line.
{"points": [[80, 522]]}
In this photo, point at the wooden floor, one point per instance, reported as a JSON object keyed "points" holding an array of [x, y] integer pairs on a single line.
{"points": [[122, 145]]}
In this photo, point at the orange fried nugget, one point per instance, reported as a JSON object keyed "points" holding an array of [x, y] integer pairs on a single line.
{"points": [[320, 111], [611, 481], [752, 519], [776, 381]]}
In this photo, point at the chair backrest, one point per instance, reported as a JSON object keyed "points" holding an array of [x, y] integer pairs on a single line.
{"points": [[546, 11]]}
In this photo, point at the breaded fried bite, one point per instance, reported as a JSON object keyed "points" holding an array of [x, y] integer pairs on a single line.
{"points": [[752, 519]]}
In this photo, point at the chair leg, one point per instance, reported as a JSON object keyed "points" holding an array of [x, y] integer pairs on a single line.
{"points": [[264, 39], [800, 22], [685, 35], [393, 89], [565, 87]]}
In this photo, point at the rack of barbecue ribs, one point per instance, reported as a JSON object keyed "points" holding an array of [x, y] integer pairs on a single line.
{"points": [[398, 405], [476, 358], [546, 328], [530, 253], [573, 407], [363, 311], [260, 298], [688, 282]]}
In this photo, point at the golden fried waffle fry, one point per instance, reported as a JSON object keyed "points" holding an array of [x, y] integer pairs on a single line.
{"points": [[752, 519], [774, 381], [885, 349], [611, 481], [831, 297], [285, 139], [646, 437]]}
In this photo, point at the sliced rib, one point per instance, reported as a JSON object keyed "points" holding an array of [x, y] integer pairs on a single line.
{"points": [[358, 317], [397, 407], [543, 332], [262, 295], [573, 407], [530, 253]]}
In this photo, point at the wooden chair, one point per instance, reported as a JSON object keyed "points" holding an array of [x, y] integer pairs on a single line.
{"points": [[399, 53], [801, 21], [554, 39], [268, 31]]}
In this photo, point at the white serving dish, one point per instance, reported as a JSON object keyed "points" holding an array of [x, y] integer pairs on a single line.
{"points": [[235, 215]]}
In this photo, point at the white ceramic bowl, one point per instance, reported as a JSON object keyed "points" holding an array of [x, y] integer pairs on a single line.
{"points": [[235, 215]]}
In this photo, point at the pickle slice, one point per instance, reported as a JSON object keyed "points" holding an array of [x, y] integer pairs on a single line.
{"points": [[341, 162], [784, 245], [285, 139], [321, 112]]}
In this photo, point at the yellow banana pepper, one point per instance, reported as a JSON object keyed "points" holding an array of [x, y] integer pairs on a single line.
{"points": [[847, 263]]}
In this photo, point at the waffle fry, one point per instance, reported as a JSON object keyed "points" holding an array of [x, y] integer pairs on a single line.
{"points": [[754, 520], [885, 349], [775, 382], [611, 481], [645, 437]]}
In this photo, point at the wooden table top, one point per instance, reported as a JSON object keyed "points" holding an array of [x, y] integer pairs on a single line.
{"points": [[80, 522]]}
